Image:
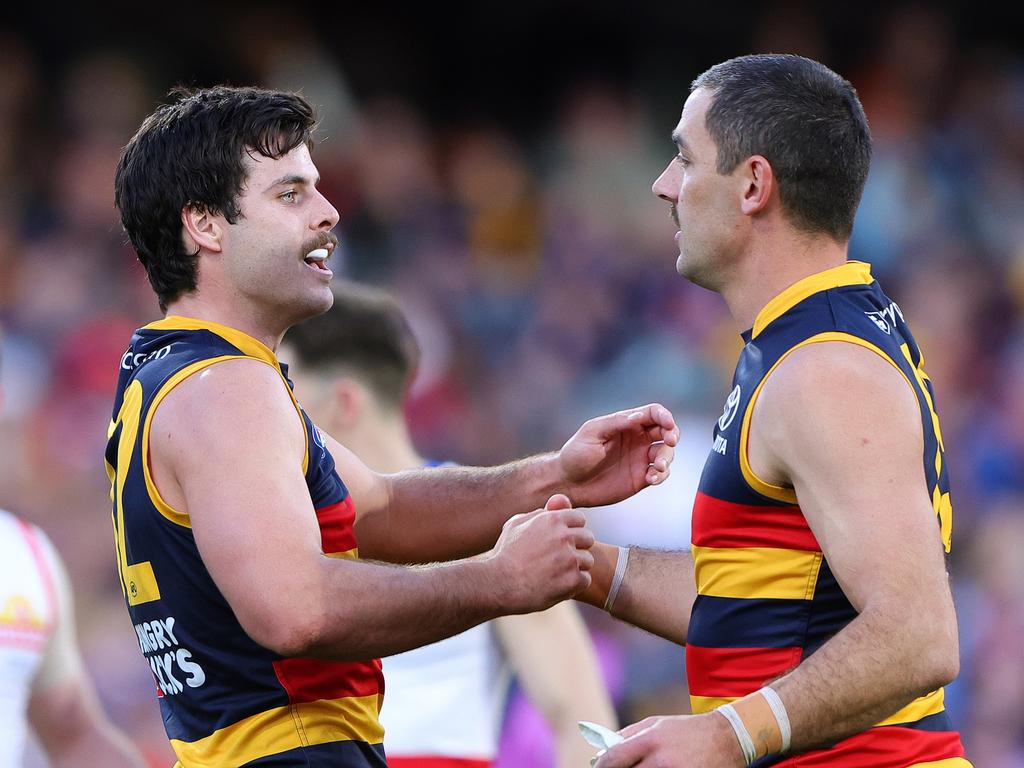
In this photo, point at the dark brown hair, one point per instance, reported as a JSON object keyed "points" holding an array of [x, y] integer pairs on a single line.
{"points": [[806, 121], [190, 153]]}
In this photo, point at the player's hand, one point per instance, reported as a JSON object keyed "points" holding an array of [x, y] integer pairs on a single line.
{"points": [[686, 741], [612, 457], [543, 557]]}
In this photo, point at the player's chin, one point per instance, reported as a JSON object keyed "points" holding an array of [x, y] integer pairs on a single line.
{"points": [[324, 298], [313, 303]]}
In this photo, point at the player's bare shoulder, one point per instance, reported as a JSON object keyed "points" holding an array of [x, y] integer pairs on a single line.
{"points": [[225, 409], [824, 393]]}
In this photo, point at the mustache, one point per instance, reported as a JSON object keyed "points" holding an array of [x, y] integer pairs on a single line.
{"points": [[672, 212], [321, 240]]}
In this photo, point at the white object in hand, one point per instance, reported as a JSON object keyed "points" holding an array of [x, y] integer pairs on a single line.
{"points": [[598, 736]]}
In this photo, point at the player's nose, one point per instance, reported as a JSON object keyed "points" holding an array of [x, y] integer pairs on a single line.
{"points": [[664, 186]]}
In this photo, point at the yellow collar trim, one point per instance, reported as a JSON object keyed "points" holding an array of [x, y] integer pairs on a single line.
{"points": [[850, 273], [249, 346]]}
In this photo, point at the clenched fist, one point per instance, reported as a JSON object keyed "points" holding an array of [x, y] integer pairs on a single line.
{"points": [[543, 557]]}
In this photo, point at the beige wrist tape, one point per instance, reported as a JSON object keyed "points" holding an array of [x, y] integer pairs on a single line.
{"points": [[761, 724], [620, 572]]}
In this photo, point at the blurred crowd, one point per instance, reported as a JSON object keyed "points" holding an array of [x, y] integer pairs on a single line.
{"points": [[538, 273]]}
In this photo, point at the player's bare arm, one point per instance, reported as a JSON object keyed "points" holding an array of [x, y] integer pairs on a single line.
{"points": [[441, 513], [554, 661], [640, 599], [855, 462], [854, 459], [258, 535], [63, 708]]}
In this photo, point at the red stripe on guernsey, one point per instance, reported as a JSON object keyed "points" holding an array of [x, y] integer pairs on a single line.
{"points": [[888, 747], [724, 672], [308, 680], [336, 531], [436, 762], [723, 524]]}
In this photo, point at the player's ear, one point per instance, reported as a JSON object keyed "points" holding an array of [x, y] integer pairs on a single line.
{"points": [[201, 229], [348, 403], [758, 184]]}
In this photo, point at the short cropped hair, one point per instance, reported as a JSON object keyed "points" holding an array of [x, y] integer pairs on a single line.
{"points": [[365, 334], [190, 153], [809, 124]]}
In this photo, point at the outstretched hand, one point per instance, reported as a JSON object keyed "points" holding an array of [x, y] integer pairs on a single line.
{"points": [[612, 457]]}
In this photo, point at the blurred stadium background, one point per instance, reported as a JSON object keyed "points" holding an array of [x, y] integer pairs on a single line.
{"points": [[492, 164]]}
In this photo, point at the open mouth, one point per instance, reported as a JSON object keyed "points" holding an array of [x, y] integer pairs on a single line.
{"points": [[317, 260]]}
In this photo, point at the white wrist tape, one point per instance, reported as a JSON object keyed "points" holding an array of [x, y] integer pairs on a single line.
{"points": [[781, 716], [746, 743], [620, 571]]}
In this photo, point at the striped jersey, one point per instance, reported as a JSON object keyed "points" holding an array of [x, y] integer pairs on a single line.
{"points": [[29, 612], [766, 598], [226, 701]]}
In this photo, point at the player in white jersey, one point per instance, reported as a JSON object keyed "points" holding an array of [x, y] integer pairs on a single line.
{"points": [[42, 679], [444, 702]]}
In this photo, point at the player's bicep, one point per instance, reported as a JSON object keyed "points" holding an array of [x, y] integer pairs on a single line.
{"points": [[234, 443], [844, 428]]}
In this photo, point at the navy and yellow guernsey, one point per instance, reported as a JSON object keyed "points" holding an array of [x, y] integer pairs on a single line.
{"points": [[226, 701], [766, 598]]}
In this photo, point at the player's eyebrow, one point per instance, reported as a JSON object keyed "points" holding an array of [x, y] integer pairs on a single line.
{"points": [[679, 142], [294, 178]]}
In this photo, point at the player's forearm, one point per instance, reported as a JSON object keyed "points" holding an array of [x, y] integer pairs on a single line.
{"points": [[876, 665], [554, 660], [444, 513], [111, 748], [587, 699], [74, 731], [656, 593], [372, 609]]}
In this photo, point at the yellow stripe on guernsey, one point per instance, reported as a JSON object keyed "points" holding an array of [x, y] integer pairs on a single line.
{"points": [[952, 762], [252, 349], [777, 492], [930, 704], [925, 706], [756, 572], [348, 554], [850, 273], [279, 730]]}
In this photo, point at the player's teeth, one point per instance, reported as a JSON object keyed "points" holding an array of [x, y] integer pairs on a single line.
{"points": [[318, 255]]}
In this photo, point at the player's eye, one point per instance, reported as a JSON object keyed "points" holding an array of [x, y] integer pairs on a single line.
{"points": [[289, 196]]}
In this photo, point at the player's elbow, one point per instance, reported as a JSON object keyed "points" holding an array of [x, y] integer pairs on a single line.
{"points": [[936, 650], [288, 630], [941, 663], [295, 639]]}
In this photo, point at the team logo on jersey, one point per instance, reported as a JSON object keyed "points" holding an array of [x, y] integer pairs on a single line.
{"points": [[130, 361], [732, 405], [318, 438], [886, 318]]}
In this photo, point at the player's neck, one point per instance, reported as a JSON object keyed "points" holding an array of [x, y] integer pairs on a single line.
{"points": [[768, 271], [194, 305]]}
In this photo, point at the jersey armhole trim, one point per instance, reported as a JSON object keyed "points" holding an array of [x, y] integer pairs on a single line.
{"points": [[37, 542], [778, 492], [166, 510]]}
